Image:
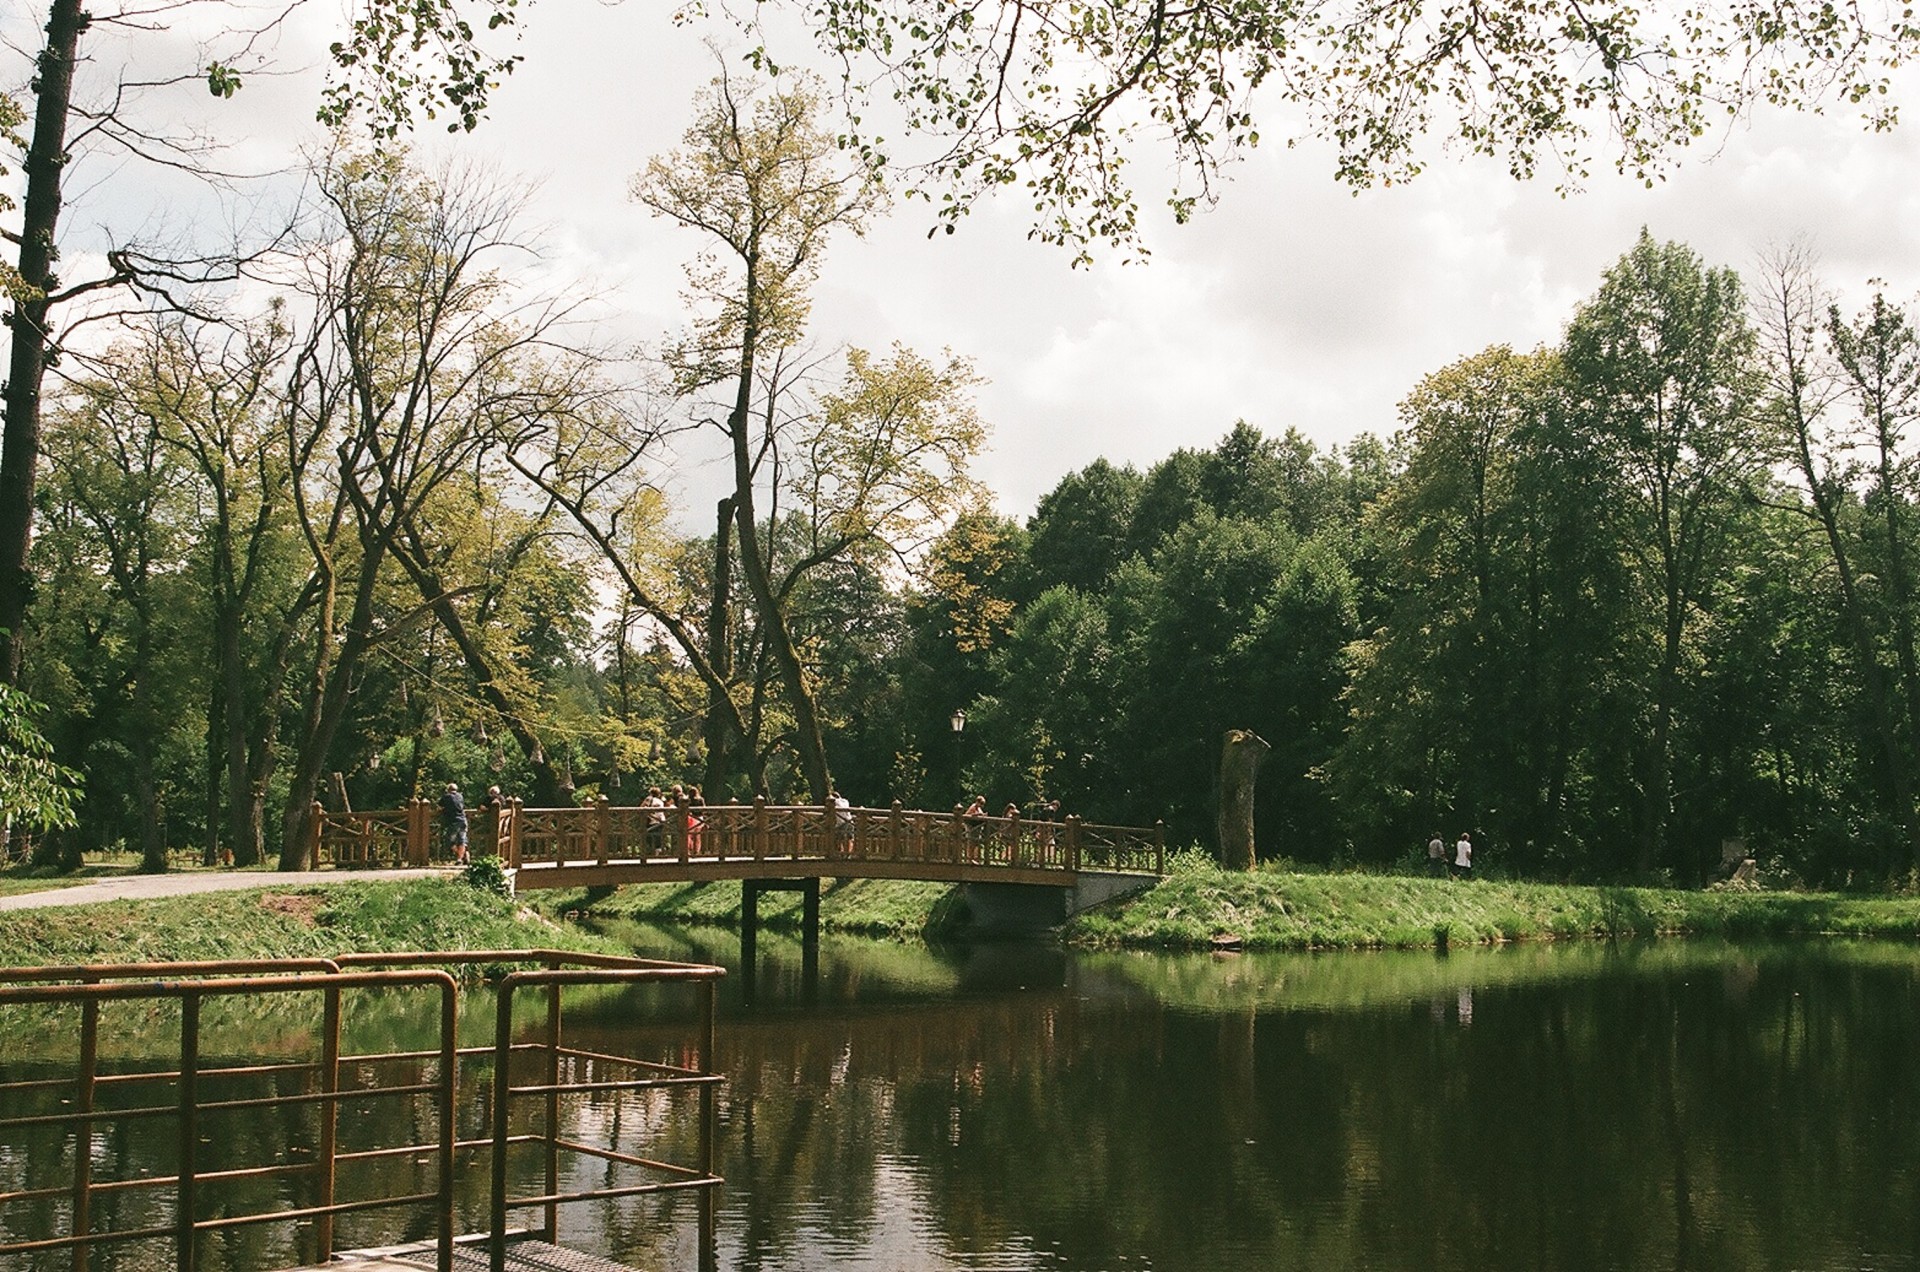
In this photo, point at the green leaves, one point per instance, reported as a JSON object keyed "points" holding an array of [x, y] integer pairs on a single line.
{"points": [[33, 788], [222, 81]]}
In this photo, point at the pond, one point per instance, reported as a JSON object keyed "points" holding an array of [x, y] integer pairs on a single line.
{"points": [[1677, 1105]]}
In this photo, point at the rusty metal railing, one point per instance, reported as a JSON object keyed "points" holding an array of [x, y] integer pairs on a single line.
{"points": [[190, 984]]}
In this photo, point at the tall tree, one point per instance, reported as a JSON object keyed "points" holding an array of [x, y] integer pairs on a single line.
{"points": [[1804, 396], [1879, 356], [768, 186], [416, 348], [1661, 367]]}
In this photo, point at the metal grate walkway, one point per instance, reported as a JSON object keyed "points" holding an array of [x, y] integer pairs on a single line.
{"points": [[522, 1256]]}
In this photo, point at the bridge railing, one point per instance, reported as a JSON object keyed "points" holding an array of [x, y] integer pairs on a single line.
{"points": [[600, 833]]}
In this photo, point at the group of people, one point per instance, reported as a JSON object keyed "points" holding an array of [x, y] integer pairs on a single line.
{"points": [[1459, 865], [659, 803], [678, 795]]}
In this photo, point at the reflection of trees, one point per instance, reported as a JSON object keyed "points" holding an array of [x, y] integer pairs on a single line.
{"points": [[1749, 1113], [1638, 1117]]}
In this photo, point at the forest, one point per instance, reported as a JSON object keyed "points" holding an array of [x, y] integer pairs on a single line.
{"points": [[385, 514]]}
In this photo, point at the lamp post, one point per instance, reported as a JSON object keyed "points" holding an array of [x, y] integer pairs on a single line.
{"points": [[959, 722]]}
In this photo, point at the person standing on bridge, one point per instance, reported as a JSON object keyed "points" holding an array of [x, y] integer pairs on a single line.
{"points": [[656, 821], [842, 821], [453, 822], [696, 806], [975, 820]]}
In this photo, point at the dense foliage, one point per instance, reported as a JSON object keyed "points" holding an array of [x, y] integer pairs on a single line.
{"points": [[1611, 605]]}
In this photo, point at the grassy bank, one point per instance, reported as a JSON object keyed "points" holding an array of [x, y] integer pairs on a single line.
{"points": [[282, 922], [1199, 906]]}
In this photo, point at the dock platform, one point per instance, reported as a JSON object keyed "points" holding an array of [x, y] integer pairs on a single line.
{"points": [[524, 1254]]}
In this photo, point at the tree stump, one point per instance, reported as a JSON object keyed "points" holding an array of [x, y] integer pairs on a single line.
{"points": [[1240, 758]]}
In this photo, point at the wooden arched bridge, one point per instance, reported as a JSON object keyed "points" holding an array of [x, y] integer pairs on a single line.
{"points": [[600, 844]]}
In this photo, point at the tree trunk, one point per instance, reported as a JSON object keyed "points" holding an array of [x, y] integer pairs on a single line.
{"points": [[1240, 758], [719, 650], [39, 223], [808, 740]]}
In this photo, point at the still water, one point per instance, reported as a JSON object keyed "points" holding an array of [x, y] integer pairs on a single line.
{"points": [[1025, 1107], [1579, 1108]]}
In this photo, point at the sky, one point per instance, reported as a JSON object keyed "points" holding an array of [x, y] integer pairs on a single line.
{"points": [[1294, 303]]}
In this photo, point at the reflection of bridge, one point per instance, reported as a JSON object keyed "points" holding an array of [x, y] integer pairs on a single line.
{"points": [[599, 844]]}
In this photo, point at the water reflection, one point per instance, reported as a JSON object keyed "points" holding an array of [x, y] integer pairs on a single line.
{"points": [[1024, 1107], [1581, 1107]]}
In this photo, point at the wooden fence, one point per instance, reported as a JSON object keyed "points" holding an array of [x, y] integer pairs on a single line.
{"points": [[683, 834]]}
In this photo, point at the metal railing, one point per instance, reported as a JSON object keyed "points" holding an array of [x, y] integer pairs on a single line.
{"points": [[686, 834], [81, 1118]]}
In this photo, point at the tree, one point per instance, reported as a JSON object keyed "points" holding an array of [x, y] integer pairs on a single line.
{"points": [[1664, 386], [418, 357], [1804, 391], [768, 186], [1048, 94], [128, 490], [1487, 691], [1078, 532], [33, 282], [1879, 357]]}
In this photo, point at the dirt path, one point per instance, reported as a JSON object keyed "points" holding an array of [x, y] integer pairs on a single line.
{"points": [[138, 887]]}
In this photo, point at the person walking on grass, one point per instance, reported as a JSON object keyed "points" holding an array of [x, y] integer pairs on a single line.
{"points": [[1463, 857], [453, 822], [1436, 856]]}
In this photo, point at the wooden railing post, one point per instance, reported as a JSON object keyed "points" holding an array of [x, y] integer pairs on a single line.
{"points": [[1073, 841], [602, 829], [760, 827], [420, 834], [896, 832], [316, 816], [1160, 847], [958, 834], [513, 834], [1013, 838], [681, 806]]}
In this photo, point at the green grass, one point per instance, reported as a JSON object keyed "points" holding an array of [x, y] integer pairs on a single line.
{"points": [[1199, 906], [284, 922]]}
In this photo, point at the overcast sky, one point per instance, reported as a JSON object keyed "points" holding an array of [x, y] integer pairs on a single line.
{"points": [[1294, 303]]}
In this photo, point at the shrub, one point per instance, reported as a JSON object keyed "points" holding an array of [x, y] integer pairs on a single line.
{"points": [[489, 874]]}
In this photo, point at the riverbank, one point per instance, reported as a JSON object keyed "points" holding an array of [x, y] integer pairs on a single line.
{"points": [[1199, 906], [305, 921]]}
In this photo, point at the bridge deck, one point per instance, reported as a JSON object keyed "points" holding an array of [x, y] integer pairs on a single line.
{"points": [[600, 844]]}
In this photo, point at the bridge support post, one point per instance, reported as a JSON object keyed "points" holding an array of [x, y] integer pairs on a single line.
{"points": [[810, 934], [749, 934], [750, 890]]}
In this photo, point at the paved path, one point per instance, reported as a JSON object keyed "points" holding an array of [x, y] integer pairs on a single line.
{"points": [[139, 887]]}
